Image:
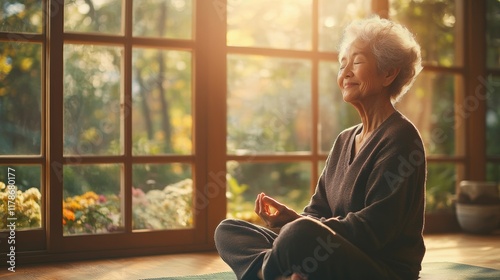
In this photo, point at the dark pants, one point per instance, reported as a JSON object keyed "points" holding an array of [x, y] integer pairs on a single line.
{"points": [[304, 246]]}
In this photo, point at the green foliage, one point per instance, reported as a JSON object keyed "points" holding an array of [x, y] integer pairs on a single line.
{"points": [[441, 182], [93, 16], [433, 22], [493, 116], [237, 202], [102, 179], [493, 33], [268, 105], [91, 99], [20, 79], [286, 182], [20, 98]]}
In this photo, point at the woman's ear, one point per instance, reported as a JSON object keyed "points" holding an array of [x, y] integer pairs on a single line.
{"points": [[390, 75]]}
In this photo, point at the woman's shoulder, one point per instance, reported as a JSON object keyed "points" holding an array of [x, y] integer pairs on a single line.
{"points": [[401, 124], [401, 129], [348, 132]]}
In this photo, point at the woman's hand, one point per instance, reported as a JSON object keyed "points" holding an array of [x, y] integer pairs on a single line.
{"points": [[273, 213]]}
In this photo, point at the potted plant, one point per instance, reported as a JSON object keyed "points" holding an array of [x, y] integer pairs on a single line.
{"points": [[478, 207]]}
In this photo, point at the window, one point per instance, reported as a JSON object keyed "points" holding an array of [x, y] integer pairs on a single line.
{"points": [[132, 127], [107, 134], [437, 91], [492, 87], [22, 118], [128, 118]]}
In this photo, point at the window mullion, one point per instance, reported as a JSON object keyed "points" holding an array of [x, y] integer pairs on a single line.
{"points": [[54, 163], [474, 102], [381, 8], [210, 100], [126, 102]]}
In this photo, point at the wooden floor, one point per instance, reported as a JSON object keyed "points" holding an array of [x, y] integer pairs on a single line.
{"points": [[461, 248]]}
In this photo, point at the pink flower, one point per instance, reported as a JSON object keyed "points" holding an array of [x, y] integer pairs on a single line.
{"points": [[136, 192]]}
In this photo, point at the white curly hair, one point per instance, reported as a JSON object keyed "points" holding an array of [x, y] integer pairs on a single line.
{"points": [[393, 46]]}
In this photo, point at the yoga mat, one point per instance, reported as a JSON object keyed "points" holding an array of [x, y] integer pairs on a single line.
{"points": [[457, 271], [430, 271]]}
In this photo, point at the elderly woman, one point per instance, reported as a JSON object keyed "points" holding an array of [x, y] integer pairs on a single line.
{"points": [[366, 216]]}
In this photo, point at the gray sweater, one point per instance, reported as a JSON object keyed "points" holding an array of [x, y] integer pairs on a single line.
{"points": [[376, 199]]}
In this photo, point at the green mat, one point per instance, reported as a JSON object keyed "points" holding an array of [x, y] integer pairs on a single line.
{"points": [[456, 271], [430, 271]]}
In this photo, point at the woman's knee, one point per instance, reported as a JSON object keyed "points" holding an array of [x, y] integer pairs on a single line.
{"points": [[224, 230], [304, 246]]}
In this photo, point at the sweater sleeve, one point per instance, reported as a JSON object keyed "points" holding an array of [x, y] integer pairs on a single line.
{"points": [[318, 206]]}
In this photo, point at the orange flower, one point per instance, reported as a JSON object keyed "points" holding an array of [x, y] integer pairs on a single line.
{"points": [[90, 196], [72, 205], [68, 215]]}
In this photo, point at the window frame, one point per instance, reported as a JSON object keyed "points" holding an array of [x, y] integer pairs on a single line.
{"points": [[49, 243]]}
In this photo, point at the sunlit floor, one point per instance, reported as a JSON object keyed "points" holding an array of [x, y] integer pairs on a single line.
{"points": [[480, 250]]}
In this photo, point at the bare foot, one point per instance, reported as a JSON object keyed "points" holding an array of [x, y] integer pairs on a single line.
{"points": [[297, 276], [294, 276]]}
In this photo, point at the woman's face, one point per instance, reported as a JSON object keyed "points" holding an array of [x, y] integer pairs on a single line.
{"points": [[358, 77]]}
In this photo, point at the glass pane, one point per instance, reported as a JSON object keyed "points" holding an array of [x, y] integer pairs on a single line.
{"points": [[284, 24], [435, 25], [163, 18], [269, 105], [21, 16], [162, 94], [493, 116], [440, 186], [493, 33], [334, 16], [335, 115], [92, 199], [321, 166], [162, 196], [99, 16], [430, 105], [20, 98], [289, 183], [493, 173], [20, 196], [92, 100]]}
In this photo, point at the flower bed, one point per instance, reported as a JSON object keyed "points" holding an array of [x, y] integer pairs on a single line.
{"points": [[92, 213], [27, 208]]}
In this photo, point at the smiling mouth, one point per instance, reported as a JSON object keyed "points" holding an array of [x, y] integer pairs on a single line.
{"points": [[348, 85]]}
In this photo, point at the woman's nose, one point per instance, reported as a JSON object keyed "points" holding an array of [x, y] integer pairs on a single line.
{"points": [[346, 72]]}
